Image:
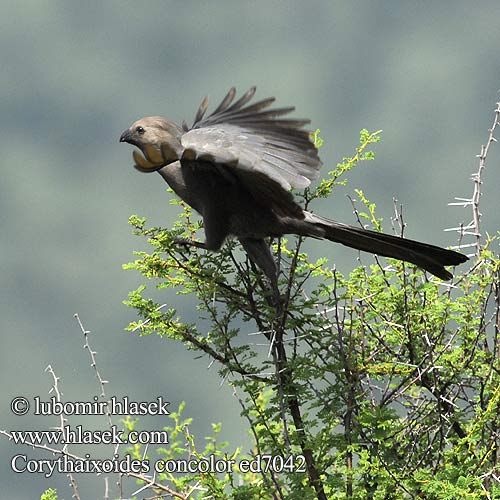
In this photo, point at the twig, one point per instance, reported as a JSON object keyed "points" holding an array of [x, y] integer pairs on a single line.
{"points": [[473, 228], [57, 392]]}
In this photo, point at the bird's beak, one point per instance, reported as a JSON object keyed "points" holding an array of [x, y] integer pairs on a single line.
{"points": [[126, 136]]}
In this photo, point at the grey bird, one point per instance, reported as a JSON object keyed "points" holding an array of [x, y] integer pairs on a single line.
{"points": [[236, 167]]}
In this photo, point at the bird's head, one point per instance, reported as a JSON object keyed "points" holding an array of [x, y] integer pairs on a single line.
{"points": [[158, 139]]}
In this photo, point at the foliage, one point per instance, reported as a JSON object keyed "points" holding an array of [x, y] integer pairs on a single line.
{"points": [[386, 381], [49, 494]]}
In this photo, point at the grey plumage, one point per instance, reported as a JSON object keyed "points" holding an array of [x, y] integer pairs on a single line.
{"points": [[236, 167]]}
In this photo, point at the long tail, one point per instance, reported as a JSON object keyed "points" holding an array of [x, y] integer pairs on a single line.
{"points": [[428, 257]]}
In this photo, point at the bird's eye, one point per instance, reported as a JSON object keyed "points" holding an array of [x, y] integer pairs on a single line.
{"points": [[140, 130]]}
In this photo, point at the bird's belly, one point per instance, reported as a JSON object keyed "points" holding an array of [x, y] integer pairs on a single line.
{"points": [[254, 223]]}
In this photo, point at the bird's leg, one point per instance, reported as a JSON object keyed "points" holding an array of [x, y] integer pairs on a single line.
{"points": [[260, 255], [190, 243], [215, 233]]}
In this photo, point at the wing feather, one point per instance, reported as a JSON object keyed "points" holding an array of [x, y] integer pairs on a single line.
{"points": [[247, 96], [257, 106], [226, 101], [201, 110]]}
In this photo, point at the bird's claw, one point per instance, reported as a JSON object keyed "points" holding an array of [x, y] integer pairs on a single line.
{"points": [[189, 243]]}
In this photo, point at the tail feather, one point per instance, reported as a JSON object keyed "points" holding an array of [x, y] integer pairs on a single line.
{"points": [[429, 257]]}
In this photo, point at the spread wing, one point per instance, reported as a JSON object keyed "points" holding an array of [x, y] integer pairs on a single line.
{"points": [[255, 140]]}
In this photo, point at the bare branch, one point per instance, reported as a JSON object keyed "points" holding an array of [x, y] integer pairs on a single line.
{"points": [[473, 228]]}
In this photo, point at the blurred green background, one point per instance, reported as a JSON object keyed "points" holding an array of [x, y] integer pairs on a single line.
{"points": [[75, 74]]}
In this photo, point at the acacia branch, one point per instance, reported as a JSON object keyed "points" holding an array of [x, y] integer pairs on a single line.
{"points": [[473, 228]]}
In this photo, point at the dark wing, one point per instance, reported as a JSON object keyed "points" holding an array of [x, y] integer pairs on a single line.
{"points": [[254, 140]]}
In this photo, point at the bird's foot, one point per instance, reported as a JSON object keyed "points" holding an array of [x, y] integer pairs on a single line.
{"points": [[189, 243]]}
